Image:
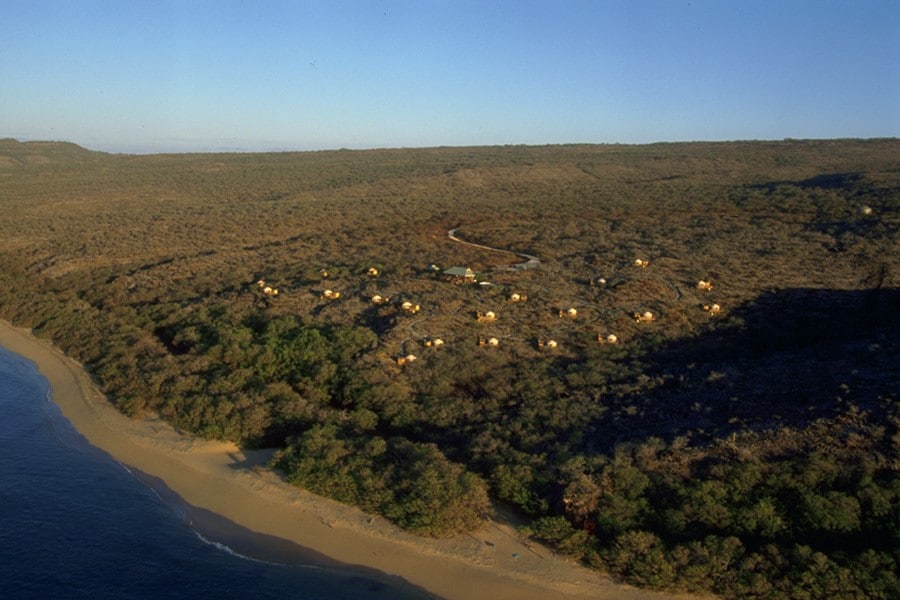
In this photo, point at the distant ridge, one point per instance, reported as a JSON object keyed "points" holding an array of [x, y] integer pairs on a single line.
{"points": [[14, 153], [14, 144]]}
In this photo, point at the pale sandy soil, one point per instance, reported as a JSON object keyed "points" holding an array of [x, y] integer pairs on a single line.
{"points": [[494, 562]]}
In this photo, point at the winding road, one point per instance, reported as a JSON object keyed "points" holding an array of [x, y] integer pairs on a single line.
{"points": [[530, 261]]}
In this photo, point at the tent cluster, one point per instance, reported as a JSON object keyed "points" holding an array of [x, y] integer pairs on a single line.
{"points": [[409, 358], [410, 308], [266, 289], [488, 316], [712, 309], [707, 286]]}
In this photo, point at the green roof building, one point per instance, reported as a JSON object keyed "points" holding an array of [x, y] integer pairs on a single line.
{"points": [[464, 272]]}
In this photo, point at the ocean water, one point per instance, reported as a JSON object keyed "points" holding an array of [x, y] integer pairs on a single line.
{"points": [[74, 523]]}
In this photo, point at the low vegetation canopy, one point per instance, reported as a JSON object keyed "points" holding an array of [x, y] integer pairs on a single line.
{"points": [[742, 439]]}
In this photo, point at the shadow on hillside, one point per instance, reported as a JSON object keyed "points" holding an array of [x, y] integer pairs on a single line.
{"points": [[825, 181], [786, 358]]}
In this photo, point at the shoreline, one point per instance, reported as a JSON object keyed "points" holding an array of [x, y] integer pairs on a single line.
{"points": [[218, 479]]}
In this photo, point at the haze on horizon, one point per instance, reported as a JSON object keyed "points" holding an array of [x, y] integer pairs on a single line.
{"points": [[224, 75]]}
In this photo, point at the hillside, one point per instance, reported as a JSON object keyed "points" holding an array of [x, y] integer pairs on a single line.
{"points": [[741, 438], [18, 155]]}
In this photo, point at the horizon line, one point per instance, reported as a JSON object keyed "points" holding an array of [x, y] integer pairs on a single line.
{"points": [[277, 149]]}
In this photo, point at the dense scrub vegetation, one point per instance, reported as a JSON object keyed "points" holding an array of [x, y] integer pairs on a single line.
{"points": [[750, 451]]}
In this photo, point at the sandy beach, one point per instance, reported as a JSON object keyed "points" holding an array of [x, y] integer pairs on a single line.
{"points": [[493, 562]]}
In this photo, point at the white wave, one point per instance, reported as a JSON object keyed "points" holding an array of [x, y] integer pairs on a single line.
{"points": [[230, 550]]}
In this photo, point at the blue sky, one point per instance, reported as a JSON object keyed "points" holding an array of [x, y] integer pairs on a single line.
{"points": [[161, 76]]}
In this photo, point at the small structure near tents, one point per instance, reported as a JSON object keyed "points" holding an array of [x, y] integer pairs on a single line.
{"points": [[460, 273]]}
